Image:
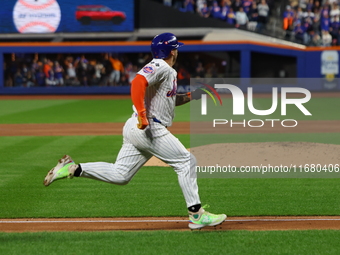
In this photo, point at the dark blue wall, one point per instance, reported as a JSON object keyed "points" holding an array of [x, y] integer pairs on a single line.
{"points": [[308, 61]]}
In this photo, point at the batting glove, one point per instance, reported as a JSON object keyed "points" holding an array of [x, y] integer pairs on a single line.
{"points": [[142, 120]]}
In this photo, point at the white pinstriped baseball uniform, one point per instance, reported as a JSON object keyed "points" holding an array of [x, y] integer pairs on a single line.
{"points": [[139, 145]]}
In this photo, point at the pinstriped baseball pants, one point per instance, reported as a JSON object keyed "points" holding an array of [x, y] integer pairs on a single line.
{"points": [[138, 147]]}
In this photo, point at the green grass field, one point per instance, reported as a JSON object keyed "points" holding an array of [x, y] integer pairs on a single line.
{"points": [[83, 111], [153, 191], [166, 242]]}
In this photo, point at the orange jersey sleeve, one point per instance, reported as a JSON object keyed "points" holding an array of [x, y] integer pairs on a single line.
{"points": [[138, 88]]}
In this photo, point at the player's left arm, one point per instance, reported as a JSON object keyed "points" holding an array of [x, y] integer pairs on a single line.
{"points": [[187, 97], [183, 98]]}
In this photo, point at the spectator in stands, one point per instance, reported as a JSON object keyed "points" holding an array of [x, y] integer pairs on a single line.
{"points": [[106, 71], [236, 5], [324, 11], [325, 21], [18, 79], [334, 30], [143, 59], [212, 71], [200, 5], [91, 71], [315, 40], [334, 12], [299, 32], [24, 72], [309, 14], [253, 17], [99, 69], [308, 27], [215, 11], [224, 10], [310, 5], [131, 71], [241, 18], [188, 6], [117, 70], [263, 10], [246, 6], [50, 80], [58, 74], [30, 79], [299, 14], [317, 13], [40, 77], [288, 19], [326, 38], [35, 65], [205, 11], [231, 17], [81, 65], [183, 76], [47, 67], [253, 12], [124, 81], [199, 70], [316, 6], [71, 77]]}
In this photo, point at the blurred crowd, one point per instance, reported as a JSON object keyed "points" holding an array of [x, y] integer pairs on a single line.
{"points": [[34, 70], [311, 22], [249, 14], [28, 70]]}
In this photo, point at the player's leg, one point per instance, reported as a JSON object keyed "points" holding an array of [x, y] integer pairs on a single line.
{"points": [[128, 162], [171, 151], [184, 163]]}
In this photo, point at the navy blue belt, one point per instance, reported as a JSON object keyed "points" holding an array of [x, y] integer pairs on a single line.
{"points": [[158, 121]]}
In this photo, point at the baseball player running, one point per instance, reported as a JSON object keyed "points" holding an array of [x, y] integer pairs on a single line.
{"points": [[153, 93]]}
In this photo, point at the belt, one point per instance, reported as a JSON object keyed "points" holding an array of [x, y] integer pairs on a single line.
{"points": [[158, 121]]}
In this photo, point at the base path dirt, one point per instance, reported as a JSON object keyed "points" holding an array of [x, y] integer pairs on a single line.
{"points": [[167, 223]]}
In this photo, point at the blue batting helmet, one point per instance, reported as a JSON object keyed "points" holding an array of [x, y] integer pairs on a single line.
{"points": [[163, 44]]}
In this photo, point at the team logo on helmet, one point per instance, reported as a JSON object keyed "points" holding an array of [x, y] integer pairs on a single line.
{"points": [[148, 69]]}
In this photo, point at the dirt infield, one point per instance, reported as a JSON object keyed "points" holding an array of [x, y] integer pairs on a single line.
{"points": [[158, 223], [167, 223]]}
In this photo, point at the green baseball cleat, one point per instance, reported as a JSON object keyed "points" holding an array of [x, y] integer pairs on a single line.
{"points": [[202, 219], [64, 169]]}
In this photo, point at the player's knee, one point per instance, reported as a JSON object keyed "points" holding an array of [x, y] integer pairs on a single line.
{"points": [[193, 161], [123, 182], [186, 166]]}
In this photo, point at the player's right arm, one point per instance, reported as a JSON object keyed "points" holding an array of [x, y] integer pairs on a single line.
{"points": [[138, 88]]}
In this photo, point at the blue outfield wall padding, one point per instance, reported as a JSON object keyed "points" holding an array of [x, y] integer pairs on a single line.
{"points": [[119, 90]]}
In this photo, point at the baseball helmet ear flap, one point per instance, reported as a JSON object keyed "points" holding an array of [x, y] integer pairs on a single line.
{"points": [[163, 44]]}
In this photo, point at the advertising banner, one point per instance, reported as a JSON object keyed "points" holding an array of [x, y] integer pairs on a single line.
{"points": [[56, 16]]}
